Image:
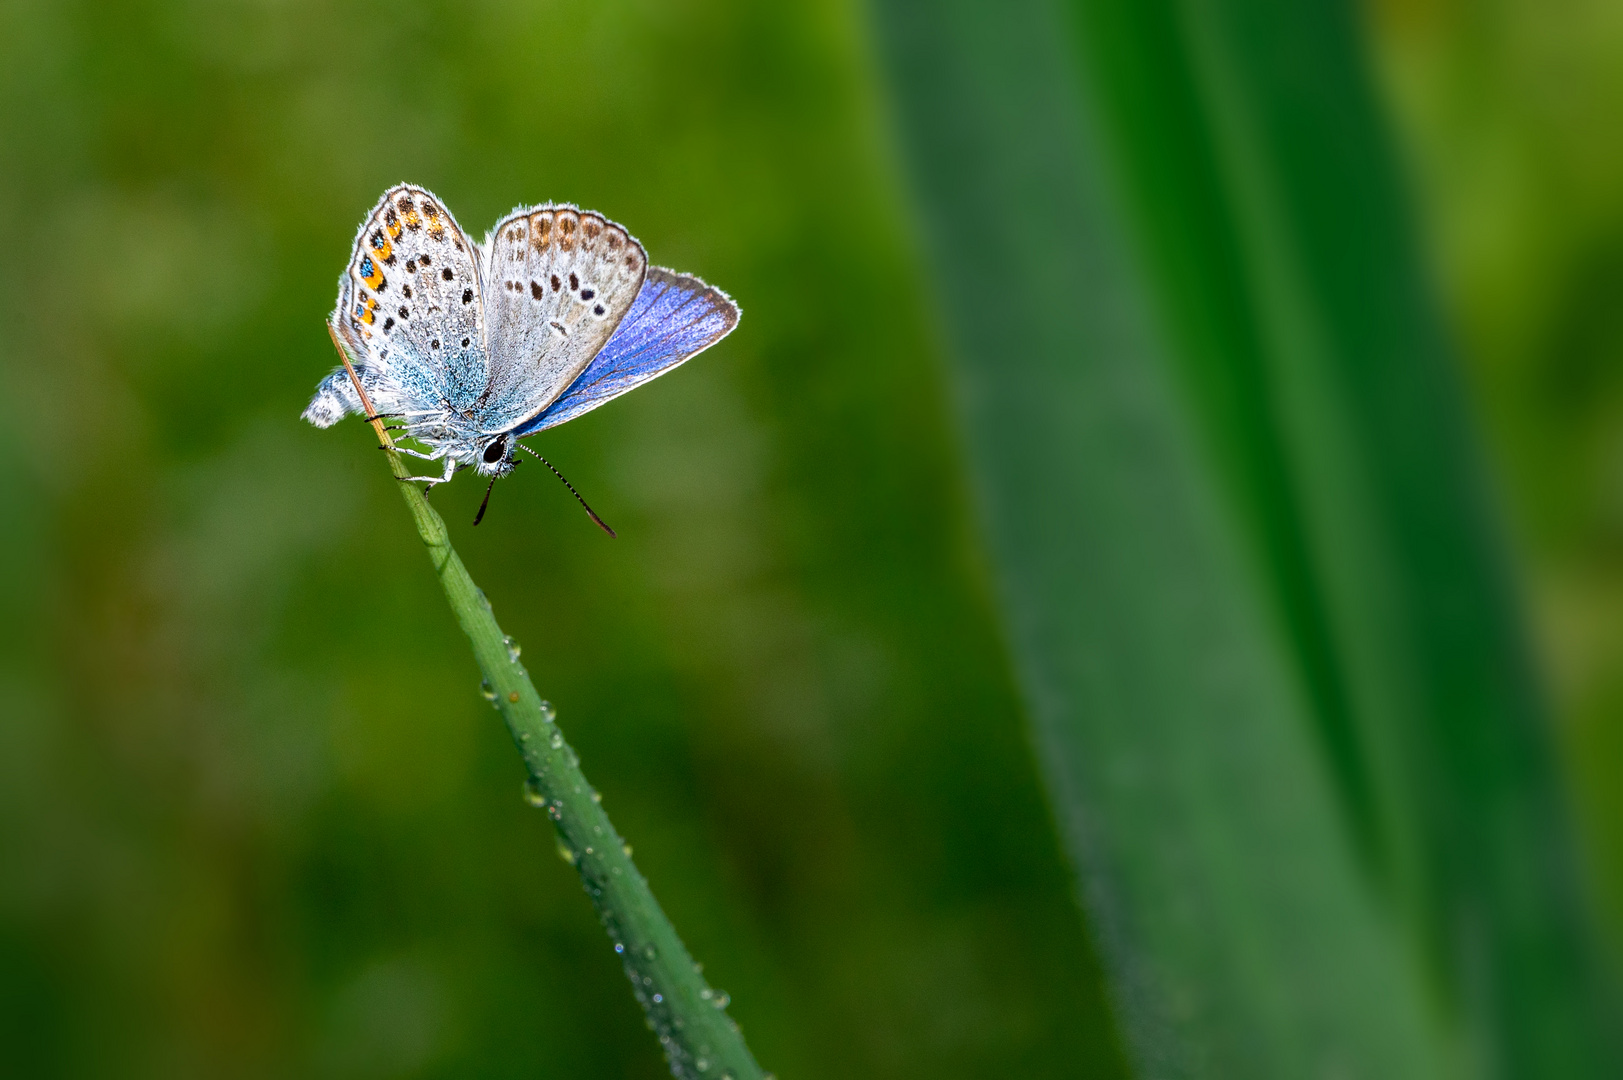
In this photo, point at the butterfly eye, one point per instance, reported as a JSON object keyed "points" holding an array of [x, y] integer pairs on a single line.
{"points": [[494, 452]]}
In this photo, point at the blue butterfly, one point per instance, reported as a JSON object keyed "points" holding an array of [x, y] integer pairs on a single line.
{"points": [[474, 346]]}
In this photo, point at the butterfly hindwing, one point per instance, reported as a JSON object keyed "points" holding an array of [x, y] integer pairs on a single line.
{"points": [[409, 308], [674, 317], [559, 280]]}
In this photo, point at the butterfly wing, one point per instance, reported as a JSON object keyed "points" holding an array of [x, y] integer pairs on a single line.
{"points": [[560, 281], [409, 310], [674, 317]]}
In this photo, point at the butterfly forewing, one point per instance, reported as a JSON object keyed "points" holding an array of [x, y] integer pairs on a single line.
{"points": [[675, 316], [558, 281], [411, 302]]}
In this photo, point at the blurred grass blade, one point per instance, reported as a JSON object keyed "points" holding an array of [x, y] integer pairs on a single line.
{"points": [[1277, 681]]}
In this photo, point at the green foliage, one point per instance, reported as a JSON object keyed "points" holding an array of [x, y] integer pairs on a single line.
{"points": [[255, 817], [682, 1009], [1257, 599]]}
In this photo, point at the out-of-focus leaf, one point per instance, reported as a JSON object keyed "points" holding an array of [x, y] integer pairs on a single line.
{"points": [[1271, 657]]}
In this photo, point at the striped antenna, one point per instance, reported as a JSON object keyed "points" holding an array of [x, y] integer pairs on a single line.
{"points": [[600, 522]]}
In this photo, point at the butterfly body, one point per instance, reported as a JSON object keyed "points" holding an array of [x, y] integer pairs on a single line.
{"points": [[473, 346]]}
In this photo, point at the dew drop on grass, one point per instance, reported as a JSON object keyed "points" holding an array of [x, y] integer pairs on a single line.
{"points": [[721, 999], [487, 690], [533, 795], [619, 948], [548, 713], [649, 952], [513, 648], [557, 740]]}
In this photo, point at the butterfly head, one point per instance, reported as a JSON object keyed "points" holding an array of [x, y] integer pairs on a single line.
{"points": [[495, 457]]}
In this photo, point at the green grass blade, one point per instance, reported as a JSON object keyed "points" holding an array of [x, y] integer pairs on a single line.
{"points": [[1295, 290], [1277, 680], [698, 1037], [1226, 895]]}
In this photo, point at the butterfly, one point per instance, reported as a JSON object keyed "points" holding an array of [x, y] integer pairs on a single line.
{"points": [[471, 347]]}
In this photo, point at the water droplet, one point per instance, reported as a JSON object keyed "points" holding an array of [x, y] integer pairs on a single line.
{"points": [[557, 739], [619, 948], [698, 968], [706, 993], [597, 796], [627, 849], [533, 795], [512, 695], [727, 1074], [487, 690], [566, 853], [649, 952], [721, 999], [702, 1064], [548, 713], [588, 849], [658, 998], [513, 649]]}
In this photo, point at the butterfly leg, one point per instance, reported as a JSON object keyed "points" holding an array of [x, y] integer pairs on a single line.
{"points": [[429, 481]]}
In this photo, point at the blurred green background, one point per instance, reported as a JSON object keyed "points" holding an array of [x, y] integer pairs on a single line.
{"points": [[255, 819]]}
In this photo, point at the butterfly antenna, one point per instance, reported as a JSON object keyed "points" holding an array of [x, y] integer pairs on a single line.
{"points": [[592, 513], [480, 516]]}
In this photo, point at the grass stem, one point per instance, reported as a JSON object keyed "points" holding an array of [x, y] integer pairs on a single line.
{"points": [[700, 1040]]}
